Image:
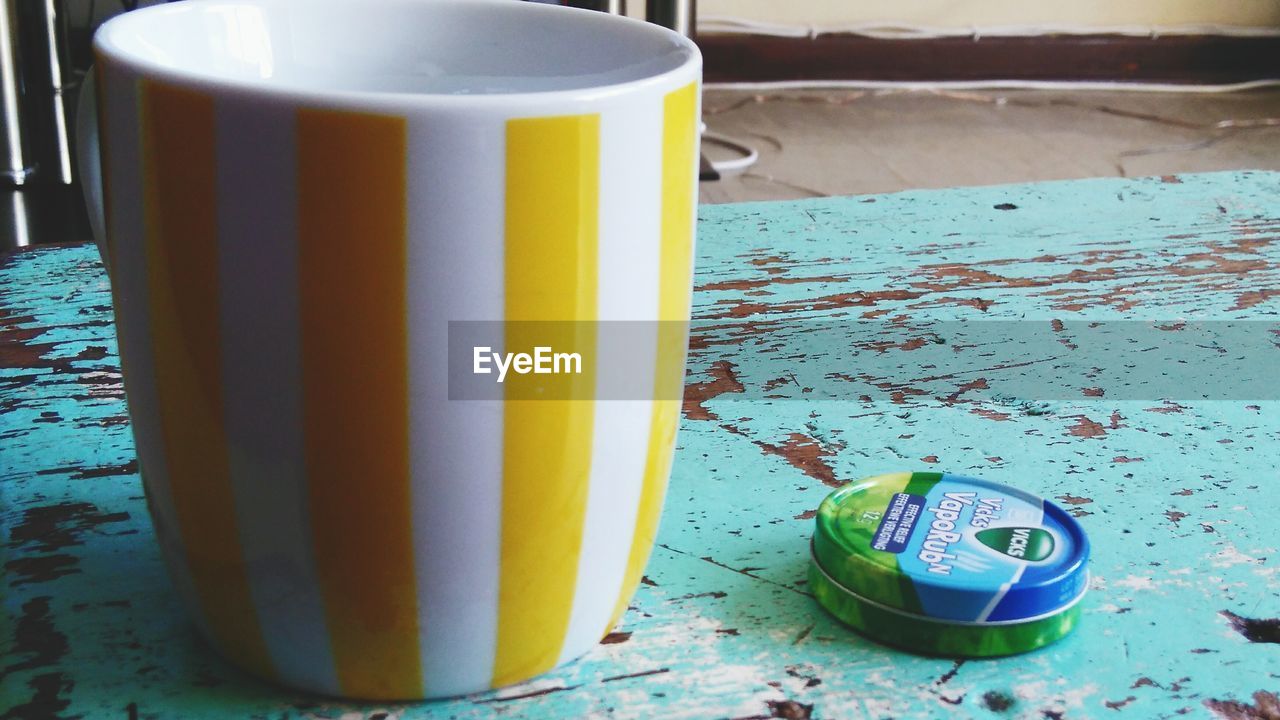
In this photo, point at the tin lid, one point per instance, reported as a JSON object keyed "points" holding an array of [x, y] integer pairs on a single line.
{"points": [[952, 548]]}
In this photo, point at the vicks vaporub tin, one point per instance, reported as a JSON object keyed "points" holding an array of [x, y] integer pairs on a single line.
{"points": [[948, 565]]}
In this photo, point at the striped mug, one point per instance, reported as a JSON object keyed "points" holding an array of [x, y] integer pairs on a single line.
{"points": [[294, 200]]}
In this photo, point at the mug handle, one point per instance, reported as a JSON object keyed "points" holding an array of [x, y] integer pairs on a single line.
{"points": [[89, 162]]}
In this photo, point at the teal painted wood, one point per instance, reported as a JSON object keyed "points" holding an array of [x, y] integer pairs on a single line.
{"points": [[1178, 495]]}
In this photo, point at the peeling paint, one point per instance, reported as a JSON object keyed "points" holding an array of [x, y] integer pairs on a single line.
{"points": [[36, 650], [697, 394], [806, 455], [1265, 706], [1255, 630]]}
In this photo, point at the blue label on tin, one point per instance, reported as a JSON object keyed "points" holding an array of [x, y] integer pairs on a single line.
{"points": [[898, 522], [968, 534]]}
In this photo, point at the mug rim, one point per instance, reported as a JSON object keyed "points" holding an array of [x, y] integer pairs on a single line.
{"points": [[108, 50]]}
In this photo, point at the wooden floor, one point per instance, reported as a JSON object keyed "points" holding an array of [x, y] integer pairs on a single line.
{"points": [[854, 142]]}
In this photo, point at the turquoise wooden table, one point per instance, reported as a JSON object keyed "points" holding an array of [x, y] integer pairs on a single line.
{"points": [[971, 330]]}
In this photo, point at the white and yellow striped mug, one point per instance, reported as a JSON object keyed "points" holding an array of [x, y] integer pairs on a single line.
{"points": [[299, 197]]}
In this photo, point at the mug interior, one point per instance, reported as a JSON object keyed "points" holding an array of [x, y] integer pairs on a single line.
{"points": [[435, 47]]}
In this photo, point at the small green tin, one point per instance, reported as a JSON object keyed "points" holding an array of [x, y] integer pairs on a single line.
{"points": [[942, 564]]}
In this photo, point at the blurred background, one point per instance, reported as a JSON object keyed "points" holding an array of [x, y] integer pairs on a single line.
{"points": [[825, 97]]}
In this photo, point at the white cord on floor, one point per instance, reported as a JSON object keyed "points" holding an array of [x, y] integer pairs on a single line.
{"points": [[934, 85], [737, 165]]}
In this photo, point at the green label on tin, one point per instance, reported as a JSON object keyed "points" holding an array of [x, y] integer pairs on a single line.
{"points": [[1024, 543]]}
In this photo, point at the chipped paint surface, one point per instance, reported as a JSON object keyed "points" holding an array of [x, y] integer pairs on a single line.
{"points": [[1171, 490]]}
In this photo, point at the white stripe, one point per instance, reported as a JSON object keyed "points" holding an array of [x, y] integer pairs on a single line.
{"points": [[261, 376], [456, 168], [629, 261], [127, 233], [995, 599]]}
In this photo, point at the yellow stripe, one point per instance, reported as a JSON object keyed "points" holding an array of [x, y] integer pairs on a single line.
{"points": [[679, 118], [552, 204], [182, 275], [351, 270]]}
